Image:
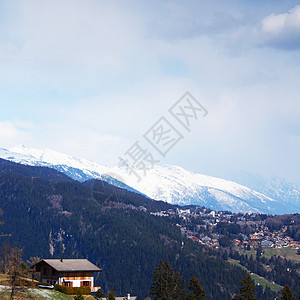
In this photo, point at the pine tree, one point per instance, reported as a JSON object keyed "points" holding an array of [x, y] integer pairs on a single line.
{"points": [[111, 295], [159, 281], [179, 287], [100, 294], [286, 293], [247, 290], [197, 292], [166, 283], [1, 223]]}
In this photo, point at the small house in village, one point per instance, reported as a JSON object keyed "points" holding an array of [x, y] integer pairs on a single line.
{"points": [[67, 272]]}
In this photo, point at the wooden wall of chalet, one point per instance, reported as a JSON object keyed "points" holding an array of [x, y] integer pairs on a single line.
{"points": [[77, 275]]}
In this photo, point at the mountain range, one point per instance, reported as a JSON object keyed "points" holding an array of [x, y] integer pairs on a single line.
{"points": [[274, 187], [171, 184], [49, 215]]}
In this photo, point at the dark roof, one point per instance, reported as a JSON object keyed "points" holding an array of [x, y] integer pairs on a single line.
{"points": [[70, 265]]}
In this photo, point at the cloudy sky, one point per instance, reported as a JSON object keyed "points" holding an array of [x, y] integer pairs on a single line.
{"points": [[89, 78]]}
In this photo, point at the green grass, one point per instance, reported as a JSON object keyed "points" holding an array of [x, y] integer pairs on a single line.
{"points": [[257, 279], [39, 293], [237, 263], [288, 253], [249, 253], [265, 283], [55, 295]]}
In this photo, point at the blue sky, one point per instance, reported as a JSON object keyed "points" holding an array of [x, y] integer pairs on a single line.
{"points": [[89, 78]]}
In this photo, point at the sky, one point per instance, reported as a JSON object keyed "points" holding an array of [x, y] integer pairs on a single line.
{"points": [[90, 78]]}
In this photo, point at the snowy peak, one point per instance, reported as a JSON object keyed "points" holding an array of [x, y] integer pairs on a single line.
{"points": [[14, 156], [274, 187], [178, 186], [76, 168], [56, 158], [172, 184]]}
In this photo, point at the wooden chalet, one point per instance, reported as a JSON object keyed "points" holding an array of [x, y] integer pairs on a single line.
{"points": [[67, 272]]}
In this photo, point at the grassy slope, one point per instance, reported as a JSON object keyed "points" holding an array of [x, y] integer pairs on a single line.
{"points": [[49, 294], [41, 294], [288, 253], [258, 279]]}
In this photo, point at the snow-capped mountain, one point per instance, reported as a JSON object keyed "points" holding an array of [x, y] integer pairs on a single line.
{"points": [[77, 169], [49, 157], [179, 186], [168, 183], [274, 187]]}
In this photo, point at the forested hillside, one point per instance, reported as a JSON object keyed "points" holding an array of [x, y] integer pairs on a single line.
{"points": [[8, 167], [49, 217]]}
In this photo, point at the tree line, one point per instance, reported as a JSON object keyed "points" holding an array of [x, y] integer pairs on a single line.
{"points": [[170, 285]]}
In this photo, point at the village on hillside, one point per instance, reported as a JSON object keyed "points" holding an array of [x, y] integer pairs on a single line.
{"points": [[198, 224]]}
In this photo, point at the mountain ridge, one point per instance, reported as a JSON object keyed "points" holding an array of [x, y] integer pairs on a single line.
{"points": [[275, 187], [171, 184], [112, 227]]}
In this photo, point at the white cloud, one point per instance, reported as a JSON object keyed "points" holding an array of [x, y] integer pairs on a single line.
{"points": [[10, 135], [95, 75], [283, 30], [67, 43], [276, 24]]}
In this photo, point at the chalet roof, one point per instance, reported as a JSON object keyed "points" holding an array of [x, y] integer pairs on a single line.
{"points": [[70, 265]]}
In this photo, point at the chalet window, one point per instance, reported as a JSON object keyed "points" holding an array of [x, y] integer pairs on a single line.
{"points": [[45, 271], [86, 283], [67, 283]]}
